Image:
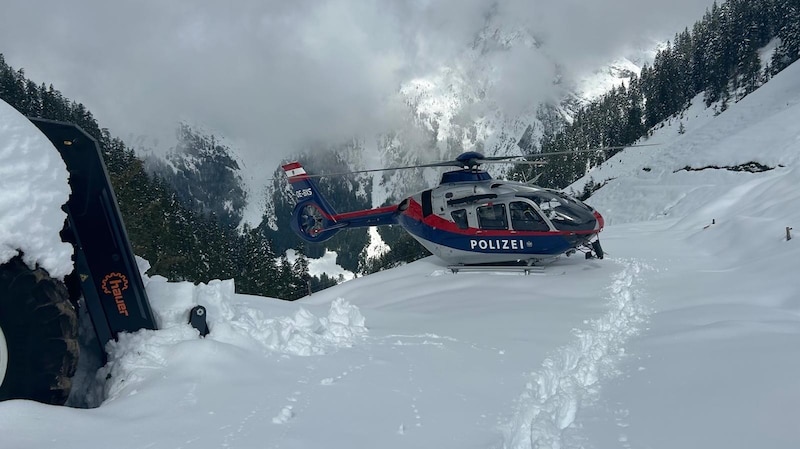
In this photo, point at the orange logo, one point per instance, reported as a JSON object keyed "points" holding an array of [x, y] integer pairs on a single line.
{"points": [[114, 284]]}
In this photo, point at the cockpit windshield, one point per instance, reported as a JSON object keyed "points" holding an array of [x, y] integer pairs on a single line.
{"points": [[561, 209]]}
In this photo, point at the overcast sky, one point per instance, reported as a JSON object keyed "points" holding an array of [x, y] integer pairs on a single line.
{"points": [[267, 73]]}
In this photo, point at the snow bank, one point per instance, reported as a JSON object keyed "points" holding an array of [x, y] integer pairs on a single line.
{"points": [[301, 334], [33, 187], [234, 324]]}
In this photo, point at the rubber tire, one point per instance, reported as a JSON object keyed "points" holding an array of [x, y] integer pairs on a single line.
{"points": [[40, 327]]}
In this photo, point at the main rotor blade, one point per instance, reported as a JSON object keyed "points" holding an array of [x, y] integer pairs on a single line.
{"points": [[589, 150], [373, 170], [508, 159], [483, 160], [514, 162]]}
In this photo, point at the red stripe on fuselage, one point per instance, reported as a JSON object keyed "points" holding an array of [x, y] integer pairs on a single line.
{"points": [[353, 215], [364, 213]]}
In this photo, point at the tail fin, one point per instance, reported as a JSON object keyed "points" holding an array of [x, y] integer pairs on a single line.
{"points": [[313, 218]]}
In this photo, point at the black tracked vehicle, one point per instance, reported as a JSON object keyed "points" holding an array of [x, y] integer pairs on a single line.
{"points": [[38, 322]]}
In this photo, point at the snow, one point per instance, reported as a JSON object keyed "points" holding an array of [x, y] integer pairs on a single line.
{"points": [[324, 265], [686, 336], [589, 86], [597, 83], [765, 53], [377, 247], [33, 187]]}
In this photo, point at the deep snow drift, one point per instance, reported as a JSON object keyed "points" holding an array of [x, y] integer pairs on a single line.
{"points": [[686, 336], [33, 186]]}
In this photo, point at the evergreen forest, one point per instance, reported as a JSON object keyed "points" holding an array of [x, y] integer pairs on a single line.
{"points": [[180, 244]]}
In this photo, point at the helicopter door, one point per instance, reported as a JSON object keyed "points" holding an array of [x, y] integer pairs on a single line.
{"points": [[525, 218]]}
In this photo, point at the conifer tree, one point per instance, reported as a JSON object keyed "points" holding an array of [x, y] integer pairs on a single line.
{"points": [[179, 244]]}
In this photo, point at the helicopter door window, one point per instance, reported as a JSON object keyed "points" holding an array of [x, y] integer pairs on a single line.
{"points": [[460, 218], [525, 218], [492, 216]]}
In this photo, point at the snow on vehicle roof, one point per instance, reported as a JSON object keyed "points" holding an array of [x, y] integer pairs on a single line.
{"points": [[33, 187]]}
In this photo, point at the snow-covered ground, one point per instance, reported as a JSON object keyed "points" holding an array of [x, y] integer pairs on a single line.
{"points": [[686, 336]]}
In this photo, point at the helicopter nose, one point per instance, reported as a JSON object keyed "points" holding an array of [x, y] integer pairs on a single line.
{"points": [[600, 221]]}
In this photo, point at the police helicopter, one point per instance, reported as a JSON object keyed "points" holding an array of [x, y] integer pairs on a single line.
{"points": [[468, 219]]}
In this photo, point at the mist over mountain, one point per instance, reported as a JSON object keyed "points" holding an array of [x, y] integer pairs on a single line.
{"points": [[273, 75]]}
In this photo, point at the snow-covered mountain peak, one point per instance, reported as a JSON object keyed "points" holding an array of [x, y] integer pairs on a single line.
{"points": [[596, 82]]}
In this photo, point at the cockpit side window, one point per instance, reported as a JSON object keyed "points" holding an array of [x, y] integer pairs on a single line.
{"points": [[525, 218], [460, 218], [492, 216]]}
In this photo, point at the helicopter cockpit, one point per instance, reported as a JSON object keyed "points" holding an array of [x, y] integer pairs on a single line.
{"points": [[541, 210], [563, 211]]}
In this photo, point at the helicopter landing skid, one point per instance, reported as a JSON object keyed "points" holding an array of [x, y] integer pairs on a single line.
{"points": [[527, 269], [595, 251]]}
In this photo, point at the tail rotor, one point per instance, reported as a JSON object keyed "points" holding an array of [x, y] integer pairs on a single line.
{"points": [[313, 217], [310, 220]]}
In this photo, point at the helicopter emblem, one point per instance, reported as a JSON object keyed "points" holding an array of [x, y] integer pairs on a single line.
{"points": [[469, 218]]}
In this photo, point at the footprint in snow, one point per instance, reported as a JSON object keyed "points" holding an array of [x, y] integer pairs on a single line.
{"points": [[284, 416]]}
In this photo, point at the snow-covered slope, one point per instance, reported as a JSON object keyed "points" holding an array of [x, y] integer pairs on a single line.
{"points": [[686, 336], [33, 187], [650, 182]]}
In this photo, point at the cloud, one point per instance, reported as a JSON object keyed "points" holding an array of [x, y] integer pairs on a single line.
{"points": [[271, 73]]}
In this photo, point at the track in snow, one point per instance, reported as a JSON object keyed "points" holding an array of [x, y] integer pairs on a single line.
{"points": [[570, 376]]}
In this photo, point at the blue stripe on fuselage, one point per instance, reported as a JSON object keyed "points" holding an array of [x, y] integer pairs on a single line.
{"points": [[508, 244]]}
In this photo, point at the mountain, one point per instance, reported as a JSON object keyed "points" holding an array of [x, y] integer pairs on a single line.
{"points": [[205, 174], [686, 335]]}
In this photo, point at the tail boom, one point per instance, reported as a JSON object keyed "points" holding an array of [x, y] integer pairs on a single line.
{"points": [[315, 220]]}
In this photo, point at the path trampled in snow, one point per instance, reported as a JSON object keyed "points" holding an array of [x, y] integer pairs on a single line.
{"points": [[570, 376]]}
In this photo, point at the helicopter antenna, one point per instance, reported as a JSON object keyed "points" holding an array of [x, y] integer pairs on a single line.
{"points": [[535, 178]]}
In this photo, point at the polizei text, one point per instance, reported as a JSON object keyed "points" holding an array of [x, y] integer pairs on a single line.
{"points": [[497, 244]]}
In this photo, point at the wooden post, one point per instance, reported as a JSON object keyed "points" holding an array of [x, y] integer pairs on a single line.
{"points": [[788, 233]]}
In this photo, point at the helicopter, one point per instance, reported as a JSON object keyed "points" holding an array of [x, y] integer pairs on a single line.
{"points": [[469, 219]]}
